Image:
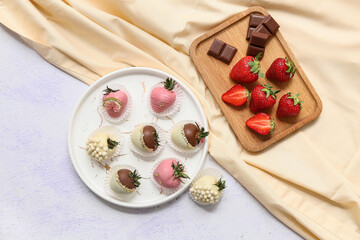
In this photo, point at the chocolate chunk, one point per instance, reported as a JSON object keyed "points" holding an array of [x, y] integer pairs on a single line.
{"points": [[222, 51], [262, 29], [249, 32], [125, 179], [258, 39], [254, 50], [191, 132], [271, 24], [227, 54], [216, 47], [255, 19], [149, 136]]}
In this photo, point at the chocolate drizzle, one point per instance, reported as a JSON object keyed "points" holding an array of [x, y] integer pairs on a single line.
{"points": [[149, 138], [125, 179], [191, 132]]}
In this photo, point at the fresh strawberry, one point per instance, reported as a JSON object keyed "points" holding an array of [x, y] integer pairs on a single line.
{"points": [[289, 105], [262, 96], [253, 108], [237, 95], [261, 123], [247, 69], [281, 70]]}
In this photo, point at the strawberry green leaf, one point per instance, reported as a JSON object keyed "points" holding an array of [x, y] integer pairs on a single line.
{"points": [[272, 126], [268, 90], [169, 84], [111, 143], [258, 56], [291, 67], [220, 184], [255, 66], [179, 171], [109, 90], [295, 98], [135, 176]]}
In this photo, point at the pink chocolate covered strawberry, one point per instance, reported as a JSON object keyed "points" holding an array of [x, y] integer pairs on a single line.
{"points": [[247, 70], [282, 70], [289, 105], [114, 102], [161, 98], [169, 173]]}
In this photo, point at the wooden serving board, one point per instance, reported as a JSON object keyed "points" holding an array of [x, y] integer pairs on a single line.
{"points": [[216, 76]]}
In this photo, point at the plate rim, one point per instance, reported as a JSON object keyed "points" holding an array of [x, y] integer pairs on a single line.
{"points": [[129, 71]]}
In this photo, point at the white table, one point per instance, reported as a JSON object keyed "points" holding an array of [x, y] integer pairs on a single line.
{"points": [[42, 197]]}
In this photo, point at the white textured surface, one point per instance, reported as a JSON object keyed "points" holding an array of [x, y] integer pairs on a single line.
{"points": [[42, 197]]}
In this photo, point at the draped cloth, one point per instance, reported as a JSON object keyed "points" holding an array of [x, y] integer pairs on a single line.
{"points": [[310, 180]]}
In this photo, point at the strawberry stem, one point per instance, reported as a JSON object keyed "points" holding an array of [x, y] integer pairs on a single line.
{"points": [[220, 184], [255, 66], [291, 67], [135, 176], [202, 133], [109, 90], [268, 90], [169, 84], [272, 125], [296, 99], [112, 143], [179, 171]]}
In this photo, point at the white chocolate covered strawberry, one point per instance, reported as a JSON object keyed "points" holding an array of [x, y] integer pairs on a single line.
{"points": [[207, 190], [161, 98]]}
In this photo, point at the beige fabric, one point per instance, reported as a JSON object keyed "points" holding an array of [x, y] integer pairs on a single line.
{"points": [[310, 180]]}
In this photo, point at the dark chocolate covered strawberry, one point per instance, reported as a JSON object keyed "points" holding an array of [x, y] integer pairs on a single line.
{"points": [[125, 180], [145, 138], [188, 136]]}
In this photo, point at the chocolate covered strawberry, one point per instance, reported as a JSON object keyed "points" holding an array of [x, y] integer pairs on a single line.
{"points": [[237, 95], [169, 173], [188, 136], [247, 69], [114, 101], [161, 98], [282, 69], [262, 96], [289, 105], [261, 123]]}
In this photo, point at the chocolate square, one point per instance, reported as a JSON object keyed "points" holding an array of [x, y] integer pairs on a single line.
{"points": [[216, 48], [255, 19], [262, 29], [250, 30], [254, 50], [271, 24], [258, 39], [227, 54]]}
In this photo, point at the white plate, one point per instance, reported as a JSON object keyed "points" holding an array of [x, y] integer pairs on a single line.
{"points": [[85, 120]]}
